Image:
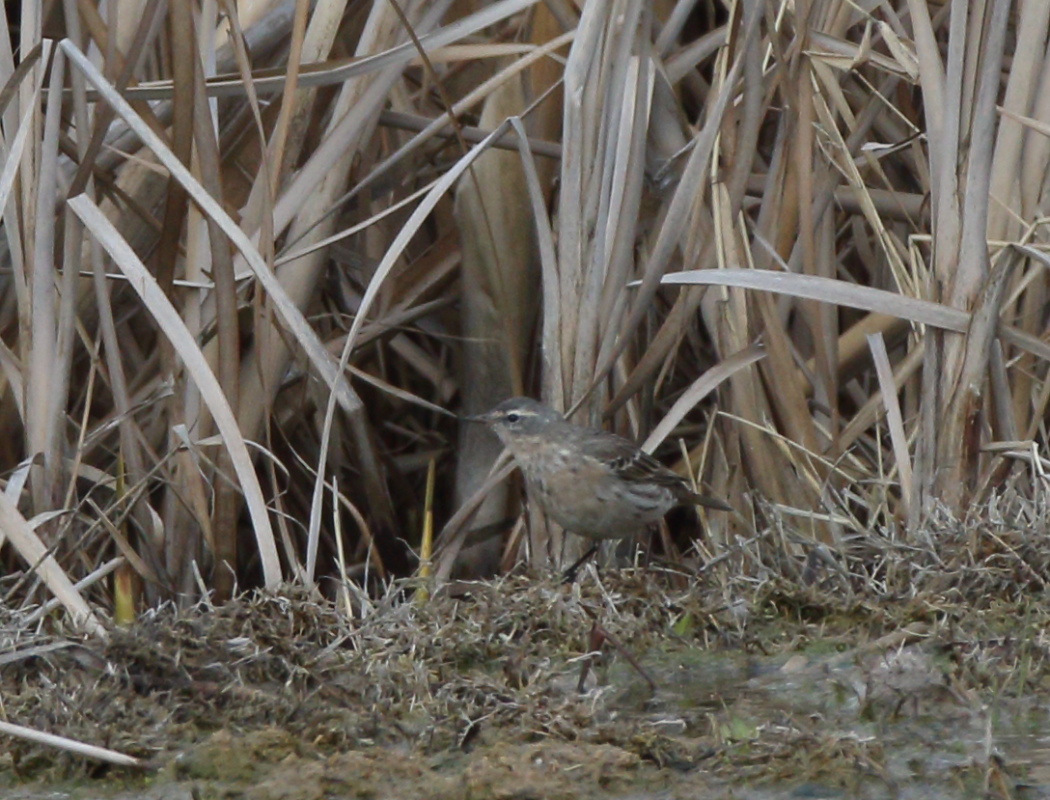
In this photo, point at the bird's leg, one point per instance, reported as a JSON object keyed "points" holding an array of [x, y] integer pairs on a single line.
{"points": [[596, 638], [649, 548], [569, 575]]}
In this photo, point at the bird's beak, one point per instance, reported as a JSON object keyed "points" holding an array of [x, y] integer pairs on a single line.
{"points": [[483, 418]]}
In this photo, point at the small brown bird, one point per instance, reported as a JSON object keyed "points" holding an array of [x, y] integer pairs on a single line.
{"points": [[591, 482]]}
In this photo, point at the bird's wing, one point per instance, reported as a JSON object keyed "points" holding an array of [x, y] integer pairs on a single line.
{"points": [[625, 459], [633, 464]]}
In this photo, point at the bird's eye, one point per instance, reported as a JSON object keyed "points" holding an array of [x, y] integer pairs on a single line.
{"points": [[513, 417]]}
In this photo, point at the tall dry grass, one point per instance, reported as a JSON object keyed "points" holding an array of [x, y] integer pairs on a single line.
{"points": [[255, 253]]}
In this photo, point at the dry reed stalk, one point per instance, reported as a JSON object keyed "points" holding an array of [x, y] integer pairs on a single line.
{"points": [[829, 172], [498, 306]]}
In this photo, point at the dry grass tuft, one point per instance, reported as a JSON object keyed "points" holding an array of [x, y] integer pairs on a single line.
{"points": [[494, 666], [256, 256]]}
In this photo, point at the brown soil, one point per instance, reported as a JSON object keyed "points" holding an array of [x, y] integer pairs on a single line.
{"points": [[473, 693]]}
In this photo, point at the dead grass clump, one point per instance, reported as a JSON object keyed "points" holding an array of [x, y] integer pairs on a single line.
{"points": [[257, 257], [496, 656], [999, 554], [494, 665]]}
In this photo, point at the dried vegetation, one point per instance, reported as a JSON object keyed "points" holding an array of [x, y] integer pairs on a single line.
{"points": [[253, 254]]}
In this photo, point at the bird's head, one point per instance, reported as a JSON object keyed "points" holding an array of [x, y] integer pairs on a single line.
{"points": [[519, 416]]}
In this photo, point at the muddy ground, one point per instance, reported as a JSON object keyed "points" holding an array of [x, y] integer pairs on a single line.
{"points": [[763, 689]]}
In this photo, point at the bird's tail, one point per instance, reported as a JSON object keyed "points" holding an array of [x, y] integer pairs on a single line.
{"points": [[707, 502]]}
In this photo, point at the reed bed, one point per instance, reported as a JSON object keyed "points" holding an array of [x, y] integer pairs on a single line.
{"points": [[257, 256]]}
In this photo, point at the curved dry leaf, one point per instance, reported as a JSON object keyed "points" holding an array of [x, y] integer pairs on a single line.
{"points": [[32, 549], [182, 341], [698, 390], [290, 315], [836, 292], [325, 73]]}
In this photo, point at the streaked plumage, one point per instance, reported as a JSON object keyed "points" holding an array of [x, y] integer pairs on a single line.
{"points": [[591, 482]]}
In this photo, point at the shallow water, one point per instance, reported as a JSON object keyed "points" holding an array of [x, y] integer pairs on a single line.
{"points": [[875, 725]]}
